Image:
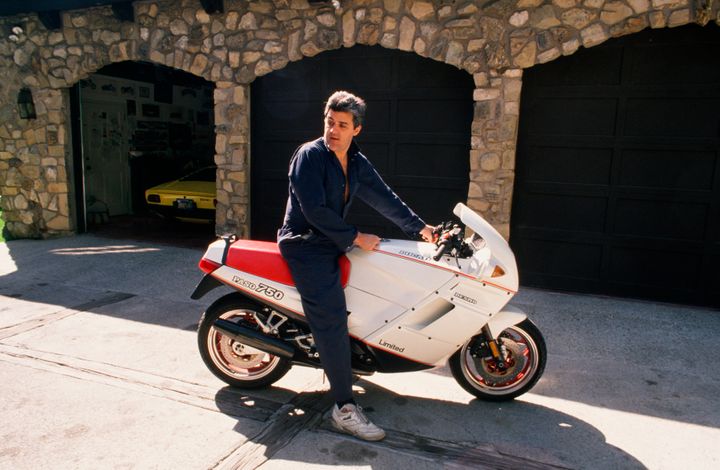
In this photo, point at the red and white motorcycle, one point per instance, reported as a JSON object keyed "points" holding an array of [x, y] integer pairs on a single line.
{"points": [[411, 306]]}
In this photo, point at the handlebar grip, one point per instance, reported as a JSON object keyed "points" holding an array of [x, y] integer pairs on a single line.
{"points": [[441, 249]]}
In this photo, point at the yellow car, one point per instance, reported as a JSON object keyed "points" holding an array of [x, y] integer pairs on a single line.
{"points": [[190, 198]]}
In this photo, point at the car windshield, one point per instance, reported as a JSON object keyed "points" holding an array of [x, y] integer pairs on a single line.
{"points": [[204, 174]]}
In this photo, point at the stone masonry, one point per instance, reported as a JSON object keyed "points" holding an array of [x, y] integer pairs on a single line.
{"points": [[253, 38]]}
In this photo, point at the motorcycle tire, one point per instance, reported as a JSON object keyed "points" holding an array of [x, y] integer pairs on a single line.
{"points": [[231, 361], [481, 377]]}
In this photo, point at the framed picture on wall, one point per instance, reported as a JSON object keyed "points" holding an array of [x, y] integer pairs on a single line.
{"points": [[144, 92], [109, 88]]}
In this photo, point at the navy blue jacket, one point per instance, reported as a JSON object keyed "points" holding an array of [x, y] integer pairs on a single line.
{"points": [[316, 202]]}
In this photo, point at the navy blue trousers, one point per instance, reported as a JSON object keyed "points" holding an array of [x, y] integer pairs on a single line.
{"points": [[314, 267]]}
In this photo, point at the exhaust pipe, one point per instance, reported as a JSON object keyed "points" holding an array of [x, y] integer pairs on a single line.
{"points": [[254, 338]]}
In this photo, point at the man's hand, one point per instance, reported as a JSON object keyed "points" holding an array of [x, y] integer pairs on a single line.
{"points": [[427, 234], [366, 241]]}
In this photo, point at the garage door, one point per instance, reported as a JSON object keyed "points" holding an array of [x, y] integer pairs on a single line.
{"points": [[417, 130], [618, 173]]}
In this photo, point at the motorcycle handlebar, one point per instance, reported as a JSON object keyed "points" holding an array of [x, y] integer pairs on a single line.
{"points": [[441, 249]]}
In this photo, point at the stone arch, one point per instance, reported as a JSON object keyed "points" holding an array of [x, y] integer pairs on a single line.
{"points": [[37, 153], [538, 31], [411, 27], [493, 42]]}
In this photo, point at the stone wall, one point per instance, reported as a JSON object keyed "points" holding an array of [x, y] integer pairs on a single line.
{"points": [[251, 39]]}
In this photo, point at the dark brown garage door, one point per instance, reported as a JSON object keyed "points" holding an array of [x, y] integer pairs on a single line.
{"points": [[618, 173], [417, 130]]}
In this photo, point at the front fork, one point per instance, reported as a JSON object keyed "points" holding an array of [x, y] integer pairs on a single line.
{"points": [[490, 347]]}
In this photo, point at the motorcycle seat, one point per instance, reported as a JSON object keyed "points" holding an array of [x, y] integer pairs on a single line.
{"points": [[263, 259]]}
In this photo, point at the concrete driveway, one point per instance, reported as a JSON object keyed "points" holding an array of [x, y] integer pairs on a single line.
{"points": [[99, 369]]}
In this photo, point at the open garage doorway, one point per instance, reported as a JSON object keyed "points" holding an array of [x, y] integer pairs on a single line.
{"points": [[141, 127], [416, 131]]}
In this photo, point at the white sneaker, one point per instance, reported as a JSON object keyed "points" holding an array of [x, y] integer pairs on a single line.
{"points": [[350, 419]]}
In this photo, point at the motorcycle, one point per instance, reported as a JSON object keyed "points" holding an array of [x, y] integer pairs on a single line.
{"points": [[411, 306]]}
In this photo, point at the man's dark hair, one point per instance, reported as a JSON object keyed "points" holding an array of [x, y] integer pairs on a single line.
{"points": [[342, 101]]}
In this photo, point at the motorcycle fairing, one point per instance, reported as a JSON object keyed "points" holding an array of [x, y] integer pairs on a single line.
{"points": [[402, 301], [389, 362]]}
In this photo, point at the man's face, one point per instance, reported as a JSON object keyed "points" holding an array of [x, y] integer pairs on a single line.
{"points": [[339, 131]]}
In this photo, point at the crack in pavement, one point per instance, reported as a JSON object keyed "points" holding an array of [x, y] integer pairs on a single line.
{"points": [[209, 398], [39, 322]]}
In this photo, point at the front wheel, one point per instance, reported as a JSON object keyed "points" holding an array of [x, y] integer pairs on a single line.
{"points": [[233, 362], [480, 375]]}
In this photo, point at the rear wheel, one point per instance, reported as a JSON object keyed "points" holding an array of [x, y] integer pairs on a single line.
{"points": [[233, 362], [524, 364]]}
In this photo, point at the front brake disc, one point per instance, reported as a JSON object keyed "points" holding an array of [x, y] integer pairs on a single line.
{"points": [[492, 375]]}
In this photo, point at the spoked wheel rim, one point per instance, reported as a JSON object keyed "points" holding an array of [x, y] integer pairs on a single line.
{"points": [[523, 362], [235, 358]]}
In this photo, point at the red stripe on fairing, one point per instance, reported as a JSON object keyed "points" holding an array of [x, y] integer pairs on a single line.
{"points": [[266, 301], [460, 273], [263, 259]]}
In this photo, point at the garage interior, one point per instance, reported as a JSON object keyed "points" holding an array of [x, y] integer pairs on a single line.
{"points": [[618, 169], [141, 125]]}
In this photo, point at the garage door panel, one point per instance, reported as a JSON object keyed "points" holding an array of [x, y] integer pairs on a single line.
{"points": [[421, 116], [378, 117], [560, 212], [371, 222], [432, 160], [353, 73], [713, 278], [661, 117], [380, 154], [568, 260], [602, 68], [275, 155], [266, 221], [660, 219], [413, 75], [363, 214], [654, 160], [568, 165], [299, 82], [670, 169], [439, 201], [434, 139], [274, 192], [690, 66], [414, 183], [572, 116], [659, 269], [296, 115]]}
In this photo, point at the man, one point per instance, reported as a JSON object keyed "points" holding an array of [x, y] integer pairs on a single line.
{"points": [[325, 175]]}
